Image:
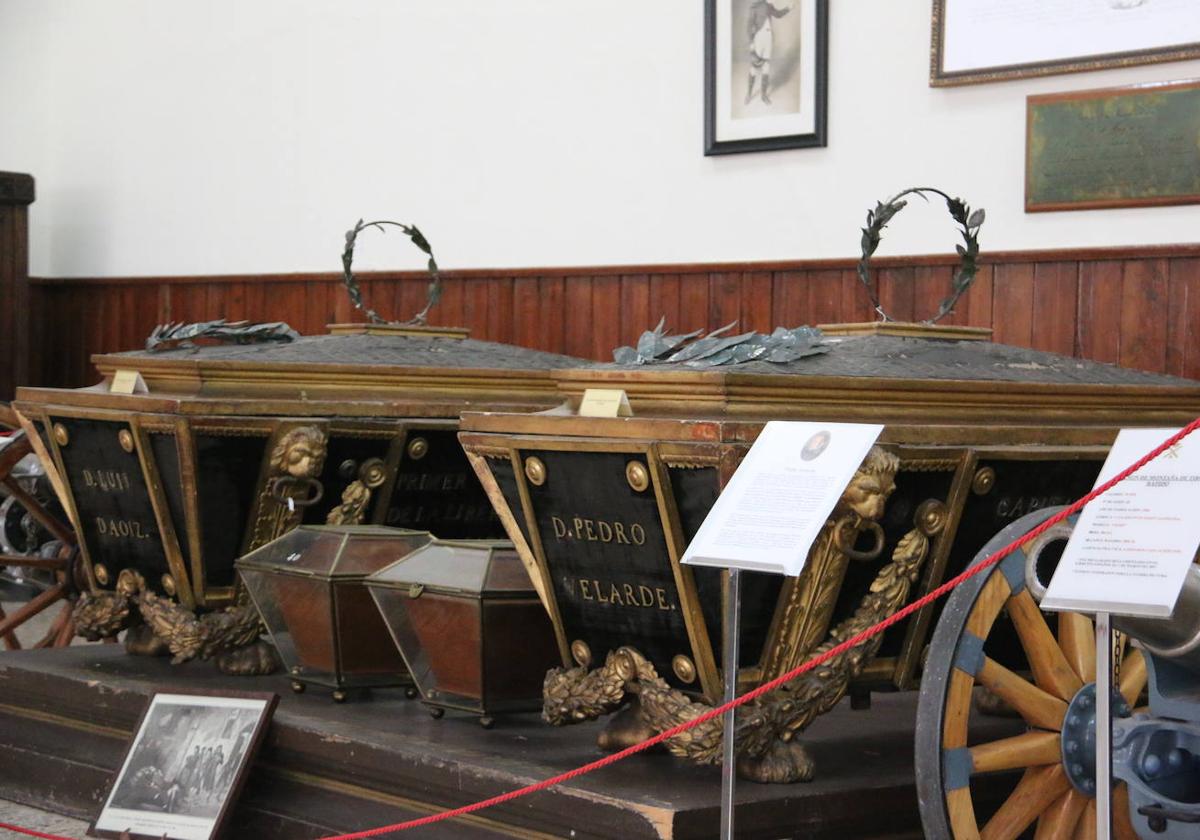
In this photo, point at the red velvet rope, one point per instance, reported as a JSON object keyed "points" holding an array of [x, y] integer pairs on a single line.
{"points": [[791, 675], [31, 832], [858, 639]]}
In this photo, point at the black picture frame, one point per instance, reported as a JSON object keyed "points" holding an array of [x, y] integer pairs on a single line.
{"points": [[225, 708], [817, 79]]}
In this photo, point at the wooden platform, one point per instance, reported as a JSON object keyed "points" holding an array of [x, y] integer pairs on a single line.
{"points": [[65, 716]]}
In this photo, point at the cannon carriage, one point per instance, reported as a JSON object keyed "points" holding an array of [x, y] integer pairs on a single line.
{"points": [[976, 437]]}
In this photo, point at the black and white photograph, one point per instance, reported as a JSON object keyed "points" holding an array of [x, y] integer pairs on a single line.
{"points": [[187, 760], [765, 68]]}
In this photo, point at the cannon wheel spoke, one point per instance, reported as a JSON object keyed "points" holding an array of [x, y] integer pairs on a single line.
{"points": [[61, 629], [959, 764]]}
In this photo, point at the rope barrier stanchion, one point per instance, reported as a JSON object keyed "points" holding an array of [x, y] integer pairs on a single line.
{"points": [[766, 687]]}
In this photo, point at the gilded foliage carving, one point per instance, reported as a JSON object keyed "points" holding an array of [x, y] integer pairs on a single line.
{"points": [[767, 748]]}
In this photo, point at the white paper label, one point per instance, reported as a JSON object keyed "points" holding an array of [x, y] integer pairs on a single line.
{"points": [[1132, 546], [128, 382], [775, 505], [605, 402]]}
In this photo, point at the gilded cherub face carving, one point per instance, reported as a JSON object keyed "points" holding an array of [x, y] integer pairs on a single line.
{"points": [[867, 495], [871, 486], [300, 453], [300, 460]]}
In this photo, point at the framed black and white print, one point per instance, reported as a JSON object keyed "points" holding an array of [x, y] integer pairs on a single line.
{"points": [[765, 68], [186, 766]]}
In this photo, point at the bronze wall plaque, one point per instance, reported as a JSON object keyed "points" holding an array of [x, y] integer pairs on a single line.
{"points": [[1115, 147]]}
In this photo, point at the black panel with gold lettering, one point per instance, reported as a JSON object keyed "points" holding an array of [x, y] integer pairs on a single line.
{"points": [[116, 514], [608, 560], [439, 491]]}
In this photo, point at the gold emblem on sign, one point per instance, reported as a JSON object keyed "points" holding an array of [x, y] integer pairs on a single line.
{"points": [[581, 653], [637, 475], [168, 585], [60, 434], [984, 481], [101, 573], [418, 448], [684, 668], [125, 438], [535, 471]]}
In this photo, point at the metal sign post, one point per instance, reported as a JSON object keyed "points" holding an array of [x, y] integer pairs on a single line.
{"points": [[1104, 673], [733, 603]]}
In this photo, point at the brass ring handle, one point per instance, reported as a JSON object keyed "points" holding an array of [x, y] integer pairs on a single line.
{"points": [[846, 546], [314, 490]]}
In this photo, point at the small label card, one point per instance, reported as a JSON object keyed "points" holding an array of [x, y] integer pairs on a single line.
{"points": [[769, 514], [1132, 547], [605, 402], [128, 382]]}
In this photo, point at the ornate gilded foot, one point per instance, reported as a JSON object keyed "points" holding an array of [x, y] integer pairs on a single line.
{"points": [[102, 616], [626, 728], [574, 695], [256, 659], [141, 641], [784, 762]]}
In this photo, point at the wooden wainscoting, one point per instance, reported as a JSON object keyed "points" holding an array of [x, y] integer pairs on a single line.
{"points": [[16, 194], [1138, 307]]}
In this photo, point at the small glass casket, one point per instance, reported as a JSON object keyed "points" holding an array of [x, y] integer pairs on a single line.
{"points": [[470, 626], [308, 588]]}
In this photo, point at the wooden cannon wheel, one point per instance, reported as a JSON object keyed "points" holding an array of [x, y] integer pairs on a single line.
{"points": [[1059, 651], [59, 572]]}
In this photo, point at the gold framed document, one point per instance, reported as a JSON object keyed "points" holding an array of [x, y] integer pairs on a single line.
{"points": [[993, 40], [1133, 146]]}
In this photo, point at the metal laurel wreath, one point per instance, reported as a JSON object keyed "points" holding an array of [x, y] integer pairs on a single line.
{"points": [[968, 222], [351, 284]]}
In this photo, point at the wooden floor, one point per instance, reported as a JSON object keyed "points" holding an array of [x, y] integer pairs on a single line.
{"points": [[65, 716]]}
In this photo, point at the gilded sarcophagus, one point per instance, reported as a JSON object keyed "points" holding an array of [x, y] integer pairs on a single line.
{"points": [[181, 460], [601, 509]]}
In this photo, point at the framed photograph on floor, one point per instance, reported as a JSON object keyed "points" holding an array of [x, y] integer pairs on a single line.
{"points": [[994, 40], [186, 766], [765, 71]]}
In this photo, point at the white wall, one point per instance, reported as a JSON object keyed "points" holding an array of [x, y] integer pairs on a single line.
{"points": [[229, 136]]}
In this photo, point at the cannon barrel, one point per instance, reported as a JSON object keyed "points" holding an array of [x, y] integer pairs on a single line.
{"points": [[1176, 638]]}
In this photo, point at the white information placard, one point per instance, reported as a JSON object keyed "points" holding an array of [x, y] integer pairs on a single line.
{"points": [[1132, 546], [771, 511]]}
